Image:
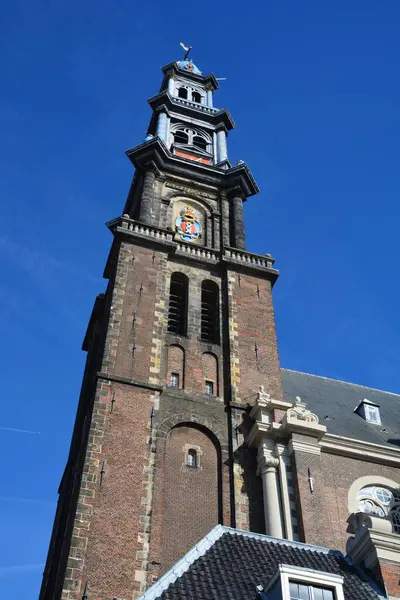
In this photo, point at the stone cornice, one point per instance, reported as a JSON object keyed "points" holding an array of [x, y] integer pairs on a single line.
{"points": [[373, 541], [336, 444], [303, 446], [164, 239], [215, 117], [257, 432], [173, 69], [126, 380], [291, 425], [155, 152]]}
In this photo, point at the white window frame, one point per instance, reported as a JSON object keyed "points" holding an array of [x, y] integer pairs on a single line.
{"points": [[290, 574], [372, 414]]}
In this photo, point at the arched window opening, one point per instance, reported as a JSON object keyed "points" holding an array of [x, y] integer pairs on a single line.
{"points": [[182, 93], [191, 459], [196, 97], [209, 365], [210, 312], [181, 137], [199, 142], [178, 302], [382, 502]]}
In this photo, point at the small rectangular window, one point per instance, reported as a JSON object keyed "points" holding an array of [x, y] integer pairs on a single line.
{"points": [[209, 388], [175, 379]]}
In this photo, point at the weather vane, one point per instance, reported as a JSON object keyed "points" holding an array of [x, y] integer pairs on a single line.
{"points": [[187, 49]]}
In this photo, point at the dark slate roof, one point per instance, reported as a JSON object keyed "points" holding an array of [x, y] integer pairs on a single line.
{"points": [[237, 562], [334, 402]]}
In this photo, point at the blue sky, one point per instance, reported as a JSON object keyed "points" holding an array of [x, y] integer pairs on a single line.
{"points": [[313, 87]]}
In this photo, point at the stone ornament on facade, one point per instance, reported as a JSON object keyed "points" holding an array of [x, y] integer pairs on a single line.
{"points": [[187, 225], [299, 411], [298, 419], [262, 396]]}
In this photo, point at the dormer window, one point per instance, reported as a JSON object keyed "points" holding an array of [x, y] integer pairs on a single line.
{"points": [[372, 414], [298, 583], [369, 411]]}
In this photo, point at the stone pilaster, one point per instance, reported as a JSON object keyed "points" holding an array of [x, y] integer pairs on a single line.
{"points": [[222, 151], [146, 205], [162, 126], [238, 222], [225, 219], [268, 465]]}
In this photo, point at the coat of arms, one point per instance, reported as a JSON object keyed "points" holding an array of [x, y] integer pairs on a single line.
{"points": [[187, 226]]}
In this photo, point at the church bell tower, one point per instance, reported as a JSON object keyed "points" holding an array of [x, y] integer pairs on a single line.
{"points": [[177, 348]]}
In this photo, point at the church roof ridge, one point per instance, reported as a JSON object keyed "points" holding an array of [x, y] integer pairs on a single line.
{"points": [[359, 385]]}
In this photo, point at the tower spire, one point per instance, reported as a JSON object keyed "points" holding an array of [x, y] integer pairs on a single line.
{"points": [[161, 371]]}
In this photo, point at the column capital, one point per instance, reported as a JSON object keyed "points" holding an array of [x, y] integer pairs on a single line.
{"points": [[281, 450], [267, 456], [237, 192], [310, 446], [154, 170], [221, 127]]}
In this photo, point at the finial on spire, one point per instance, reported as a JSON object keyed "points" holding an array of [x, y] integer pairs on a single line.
{"points": [[187, 49]]}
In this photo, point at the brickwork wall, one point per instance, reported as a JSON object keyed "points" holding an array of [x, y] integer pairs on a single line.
{"points": [[208, 414], [120, 442], [192, 344], [191, 495], [390, 574], [110, 543], [253, 325], [176, 363], [324, 511], [132, 312], [210, 370], [122, 527]]}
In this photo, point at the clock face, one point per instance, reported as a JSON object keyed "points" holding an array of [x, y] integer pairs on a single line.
{"points": [[199, 159]]}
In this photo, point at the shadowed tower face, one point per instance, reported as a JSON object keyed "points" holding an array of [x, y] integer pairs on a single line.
{"points": [[177, 346]]}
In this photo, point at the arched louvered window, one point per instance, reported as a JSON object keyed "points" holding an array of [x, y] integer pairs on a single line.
{"points": [[178, 303], [182, 93], [180, 137], [210, 312], [200, 142], [196, 97]]}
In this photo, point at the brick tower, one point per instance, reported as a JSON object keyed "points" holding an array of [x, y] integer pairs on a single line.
{"points": [[177, 348]]}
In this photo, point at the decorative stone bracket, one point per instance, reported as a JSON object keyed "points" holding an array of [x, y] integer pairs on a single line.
{"points": [[298, 419], [271, 466]]}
